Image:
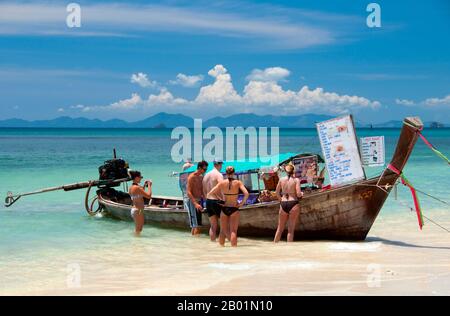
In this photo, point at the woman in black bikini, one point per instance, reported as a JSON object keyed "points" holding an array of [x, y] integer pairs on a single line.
{"points": [[229, 219], [288, 192]]}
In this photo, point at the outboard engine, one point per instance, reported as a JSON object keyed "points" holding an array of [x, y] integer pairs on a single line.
{"points": [[113, 169]]}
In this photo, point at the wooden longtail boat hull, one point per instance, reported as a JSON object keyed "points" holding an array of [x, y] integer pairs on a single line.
{"points": [[343, 213]]}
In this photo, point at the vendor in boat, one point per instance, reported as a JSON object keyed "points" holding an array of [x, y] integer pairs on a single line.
{"points": [[137, 194], [229, 218], [320, 179], [288, 192], [194, 197], [213, 201]]}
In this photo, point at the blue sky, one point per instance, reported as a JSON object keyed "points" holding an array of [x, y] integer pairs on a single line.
{"points": [[130, 60]]}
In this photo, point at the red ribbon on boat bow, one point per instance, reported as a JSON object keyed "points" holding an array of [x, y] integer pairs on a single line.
{"points": [[437, 152], [413, 192], [427, 142]]}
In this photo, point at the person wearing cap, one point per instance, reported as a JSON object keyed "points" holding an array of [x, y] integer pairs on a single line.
{"points": [[188, 164], [137, 195], [213, 200]]}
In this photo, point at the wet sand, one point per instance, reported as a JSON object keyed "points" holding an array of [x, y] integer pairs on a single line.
{"points": [[396, 259]]}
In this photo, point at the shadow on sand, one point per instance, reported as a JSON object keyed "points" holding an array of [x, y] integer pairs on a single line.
{"points": [[402, 244]]}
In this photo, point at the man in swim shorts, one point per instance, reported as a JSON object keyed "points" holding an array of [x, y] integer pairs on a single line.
{"points": [[193, 200], [213, 201]]}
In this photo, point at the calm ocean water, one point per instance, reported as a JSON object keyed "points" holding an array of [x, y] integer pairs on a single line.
{"points": [[53, 224]]}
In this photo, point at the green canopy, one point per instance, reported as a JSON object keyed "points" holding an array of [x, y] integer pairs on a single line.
{"points": [[253, 165]]}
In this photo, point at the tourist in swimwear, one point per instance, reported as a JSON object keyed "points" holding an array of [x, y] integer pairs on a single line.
{"points": [[213, 201], [288, 192], [229, 218], [193, 200], [137, 194]]}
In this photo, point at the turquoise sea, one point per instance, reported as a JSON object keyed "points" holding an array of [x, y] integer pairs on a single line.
{"points": [[38, 231]]}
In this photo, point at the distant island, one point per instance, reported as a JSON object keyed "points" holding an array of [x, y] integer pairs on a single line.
{"points": [[166, 120]]}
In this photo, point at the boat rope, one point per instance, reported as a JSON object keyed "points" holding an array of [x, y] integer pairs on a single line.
{"points": [[89, 202], [437, 152], [433, 197], [427, 142], [406, 182], [438, 225], [427, 218], [426, 194], [385, 189]]}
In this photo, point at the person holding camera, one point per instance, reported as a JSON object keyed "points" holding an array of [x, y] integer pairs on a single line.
{"points": [[137, 194]]}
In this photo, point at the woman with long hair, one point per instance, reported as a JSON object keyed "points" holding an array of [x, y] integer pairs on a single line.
{"points": [[288, 192], [229, 218]]}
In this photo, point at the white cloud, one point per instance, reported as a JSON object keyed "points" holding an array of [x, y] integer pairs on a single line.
{"points": [[142, 80], [430, 102], [269, 74], [127, 104], [263, 94], [332, 101], [160, 101], [164, 98], [217, 71], [187, 81], [404, 102], [259, 96], [221, 92], [267, 26], [60, 110], [78, 106], [267, 93], [437, 101]]}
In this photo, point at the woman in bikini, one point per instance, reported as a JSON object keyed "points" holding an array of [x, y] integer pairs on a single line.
{"points": [[288, 192], [137, 194], [229, 218]]}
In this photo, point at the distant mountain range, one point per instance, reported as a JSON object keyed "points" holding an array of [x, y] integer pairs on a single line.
{"points": [[166, 120]]}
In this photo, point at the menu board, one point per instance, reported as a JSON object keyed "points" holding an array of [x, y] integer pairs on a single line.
{"points": [[340, 149], [372, 151]]}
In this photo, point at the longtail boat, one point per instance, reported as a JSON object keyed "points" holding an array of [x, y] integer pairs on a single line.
{"points": [[346, 212]]}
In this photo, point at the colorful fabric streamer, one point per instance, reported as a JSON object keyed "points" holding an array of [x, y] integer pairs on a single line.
{"points": [[434, 148], [406, 182]]}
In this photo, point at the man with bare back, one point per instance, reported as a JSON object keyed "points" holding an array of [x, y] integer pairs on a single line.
{"points": [[213, 201]]}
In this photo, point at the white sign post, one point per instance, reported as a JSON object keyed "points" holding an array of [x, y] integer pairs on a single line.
{"points": [[372, 151], [340, 149]]}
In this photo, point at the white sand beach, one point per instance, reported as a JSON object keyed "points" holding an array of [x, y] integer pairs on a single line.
{"points": [[396, 259]]}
